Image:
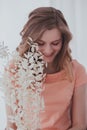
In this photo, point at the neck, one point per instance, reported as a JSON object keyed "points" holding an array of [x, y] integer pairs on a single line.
{"points": [[51, 68]]}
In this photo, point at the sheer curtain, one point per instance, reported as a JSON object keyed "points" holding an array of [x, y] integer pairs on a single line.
{"points": [[13, 16]]}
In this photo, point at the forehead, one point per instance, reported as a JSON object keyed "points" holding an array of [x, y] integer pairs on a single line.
{"points": [[51, 34]]}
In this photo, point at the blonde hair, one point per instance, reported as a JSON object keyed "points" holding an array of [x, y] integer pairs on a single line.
{"points": [[39, 21]]}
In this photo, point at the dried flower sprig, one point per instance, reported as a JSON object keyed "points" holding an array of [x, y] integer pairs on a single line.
{"points": [[4, 51], [23, 82], [4, 54]]}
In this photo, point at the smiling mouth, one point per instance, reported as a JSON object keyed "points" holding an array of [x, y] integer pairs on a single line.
{"points": [[47, 56]]}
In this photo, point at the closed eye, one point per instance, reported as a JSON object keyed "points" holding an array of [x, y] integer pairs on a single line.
{"points": [[57, 42], [40, 44]]}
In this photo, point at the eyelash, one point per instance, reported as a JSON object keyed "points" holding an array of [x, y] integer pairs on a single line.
{"points": [[40, 44], [55, 44]]}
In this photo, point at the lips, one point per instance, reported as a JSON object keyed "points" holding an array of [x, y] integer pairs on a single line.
{"points": [[48, 58], [48, 55]]}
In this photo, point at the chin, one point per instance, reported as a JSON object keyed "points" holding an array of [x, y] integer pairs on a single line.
{"points": [[49, 62]]}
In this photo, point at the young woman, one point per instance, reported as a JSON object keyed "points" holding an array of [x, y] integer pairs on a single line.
{"points": [[66, 79]]}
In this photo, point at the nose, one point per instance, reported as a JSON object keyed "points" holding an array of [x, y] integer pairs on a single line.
{"points": [[48, 50]]}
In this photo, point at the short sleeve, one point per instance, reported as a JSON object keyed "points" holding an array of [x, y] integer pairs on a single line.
{"points": [[80, 74]]}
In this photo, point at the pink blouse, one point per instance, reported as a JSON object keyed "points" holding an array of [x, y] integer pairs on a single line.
{"points": [[58, 96]]}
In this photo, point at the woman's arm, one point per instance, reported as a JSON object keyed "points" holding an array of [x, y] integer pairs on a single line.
{"points": [[79, 108]]}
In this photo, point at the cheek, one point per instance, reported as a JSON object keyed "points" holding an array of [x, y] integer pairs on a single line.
{"points": [[57, 49], [41, 49]]}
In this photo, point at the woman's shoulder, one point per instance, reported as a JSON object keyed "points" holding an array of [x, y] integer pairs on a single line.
{"points": [[79, 72], [77, 65]]}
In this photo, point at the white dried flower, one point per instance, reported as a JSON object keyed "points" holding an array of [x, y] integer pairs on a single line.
{"points": [[23, 81], [4, 51]]}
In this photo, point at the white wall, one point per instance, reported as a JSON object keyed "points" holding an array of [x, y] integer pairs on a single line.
{"points": [[13, 16]]}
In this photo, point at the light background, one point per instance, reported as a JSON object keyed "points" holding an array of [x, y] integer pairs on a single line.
{"points": [[14, 14]]}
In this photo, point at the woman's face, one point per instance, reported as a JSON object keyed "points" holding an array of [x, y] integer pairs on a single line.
{"points": [[50, 44]]}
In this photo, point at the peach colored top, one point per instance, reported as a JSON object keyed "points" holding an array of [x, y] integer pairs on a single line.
{"points": [[57, 97]]}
